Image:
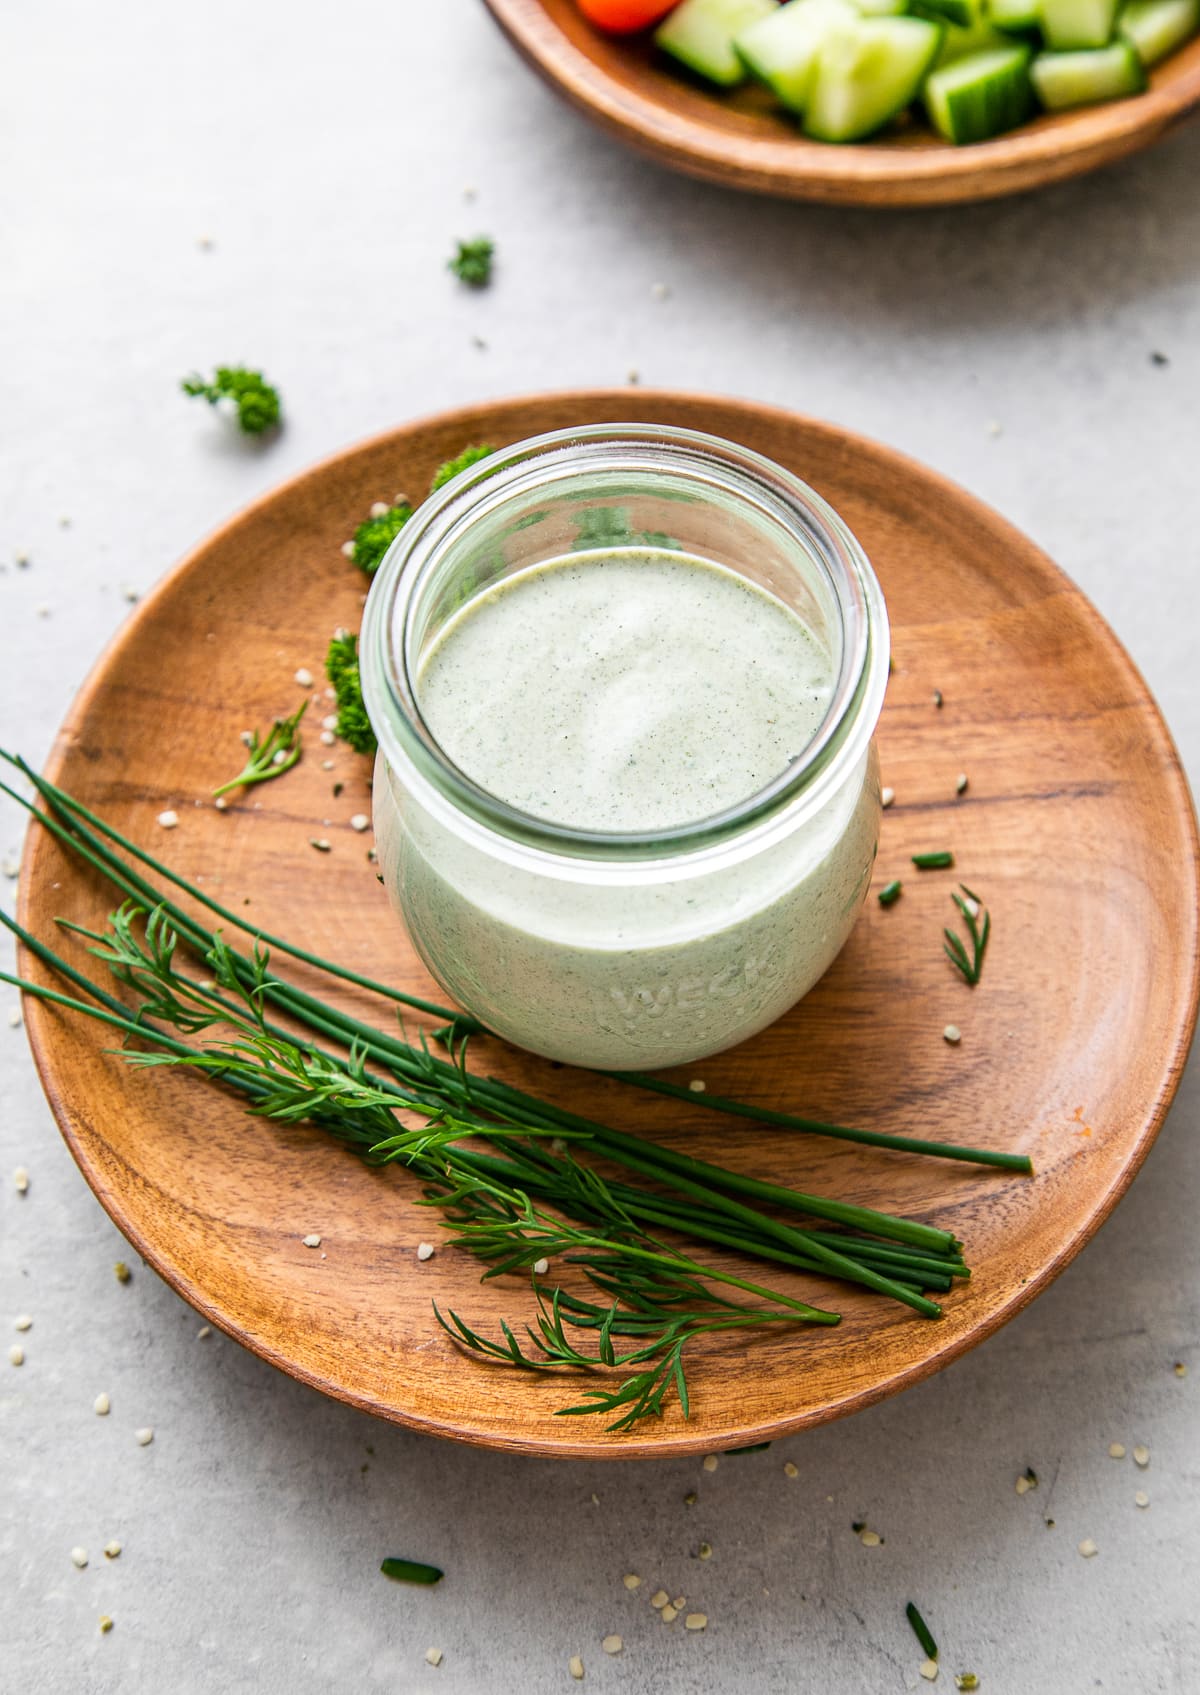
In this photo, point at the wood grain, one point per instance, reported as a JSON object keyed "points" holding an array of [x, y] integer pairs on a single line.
{"points": [[1077, 828], [744, 140]]}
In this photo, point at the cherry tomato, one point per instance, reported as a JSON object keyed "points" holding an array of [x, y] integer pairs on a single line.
{"points": [[623, 17]]}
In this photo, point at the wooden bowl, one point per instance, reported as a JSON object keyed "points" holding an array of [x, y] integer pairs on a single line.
{"points": [[1077, 830], [744, 140]]}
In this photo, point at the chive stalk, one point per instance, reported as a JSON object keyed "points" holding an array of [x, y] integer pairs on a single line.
{"points": [[411, 1571], [921, 1631], [62, 801], [840, 1132], [137, 888]]}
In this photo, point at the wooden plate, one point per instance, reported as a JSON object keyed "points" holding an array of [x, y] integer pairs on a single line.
{"points": [[743, 139], [1077, 829]]}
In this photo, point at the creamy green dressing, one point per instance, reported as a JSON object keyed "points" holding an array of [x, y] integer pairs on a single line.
{"points": [[631, 691], [628, 691]]}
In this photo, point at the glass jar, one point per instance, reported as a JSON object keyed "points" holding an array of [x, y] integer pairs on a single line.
{"points": [[626, 951]]}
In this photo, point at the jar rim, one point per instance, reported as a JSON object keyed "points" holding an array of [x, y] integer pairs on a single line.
{"points": [[537, 462]]}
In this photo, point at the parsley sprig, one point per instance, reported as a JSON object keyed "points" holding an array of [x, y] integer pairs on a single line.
{"points": [[257, 403], [472, 261]]}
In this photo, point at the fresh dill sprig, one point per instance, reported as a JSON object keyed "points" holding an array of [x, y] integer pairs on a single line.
{"points": [[658, 1327], [257, 403], [270, 755], [659, 1300], [972, 910], [472, 261]]}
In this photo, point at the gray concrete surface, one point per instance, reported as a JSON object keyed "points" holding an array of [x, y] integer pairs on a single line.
{"points": [[325, 150]]}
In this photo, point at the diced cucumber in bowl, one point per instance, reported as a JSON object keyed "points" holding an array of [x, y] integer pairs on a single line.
{"points": [[867, 72], [782, 49], [1067, 24], [701, 33], [1157, 27], [978, 37], [845, 68], [1018, 16], [962, 13], [1087, 77], [981, 95]]}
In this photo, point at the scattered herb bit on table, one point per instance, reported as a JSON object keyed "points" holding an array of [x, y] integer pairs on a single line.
{"points": [[270, 755], [972, 910], [472, 262], [257, 403], [942, 860], [411, 1571], [921, 1631]]}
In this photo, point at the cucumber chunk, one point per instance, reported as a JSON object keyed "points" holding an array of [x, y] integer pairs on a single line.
{"points": [[782, 49], [1068, 24], [962, 13], [866, 73], [1088, 76], [977, 38], [1157, 27], [983, 95], [700, 34], [1016, 15]]}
